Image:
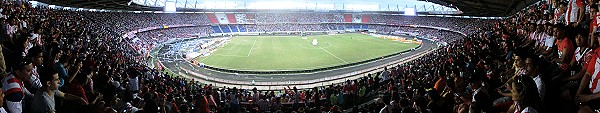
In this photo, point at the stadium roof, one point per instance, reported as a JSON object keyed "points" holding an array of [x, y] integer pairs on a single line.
{"points": [[465, 7], [487, 7]]}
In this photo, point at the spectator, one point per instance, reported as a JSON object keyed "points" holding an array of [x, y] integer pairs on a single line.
{"points": [[2, 110], [526, 96], [585, 96], [532, 65], [37, 56], [43, 101], [565, 47], [13, 88], [62, 71]]}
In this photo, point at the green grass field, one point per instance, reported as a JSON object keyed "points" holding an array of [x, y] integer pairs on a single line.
{"points": [[295, 53]]}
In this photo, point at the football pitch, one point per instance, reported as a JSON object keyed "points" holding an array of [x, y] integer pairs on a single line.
{"points": [[276, 53]]}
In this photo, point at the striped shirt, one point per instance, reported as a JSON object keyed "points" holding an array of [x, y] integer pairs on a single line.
{"points": [[14, 93], [35, 81], [263, 105], [573, 11], [594, 69]]}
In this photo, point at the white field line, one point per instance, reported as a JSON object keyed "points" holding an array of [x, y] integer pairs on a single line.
{"points": [[230, 48], [333, 55], [251, 48], [229, 55]]}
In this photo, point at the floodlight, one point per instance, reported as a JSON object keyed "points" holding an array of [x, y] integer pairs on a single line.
{"points": [[170, 6], [409, 11]]}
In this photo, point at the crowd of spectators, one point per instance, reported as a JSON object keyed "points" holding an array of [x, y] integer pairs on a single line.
{"points": [[122, 22], [146, 41], [298, 17], [68, 61], [534, 61]]}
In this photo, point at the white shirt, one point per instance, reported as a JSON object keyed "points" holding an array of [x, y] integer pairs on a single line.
{"points": [[385, 75], [579, 55], [24, 24], [11, 29], [2, 110], [529, 110], [572, 11], [550, 42], [540, 85], [133, 84]]}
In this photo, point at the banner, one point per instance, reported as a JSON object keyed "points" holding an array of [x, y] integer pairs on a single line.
{"points": [[212, 18], [240, 18], [347, 17], [250, 18], [356, 18], [222, 18], [365, 18], [231, 18]]}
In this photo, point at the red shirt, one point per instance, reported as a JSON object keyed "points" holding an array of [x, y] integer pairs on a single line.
{"points": [[440, 84], [204, 108], [564, 44], [77, 90], [595, 22], [587, 58], [582, 55], [594, 69]]}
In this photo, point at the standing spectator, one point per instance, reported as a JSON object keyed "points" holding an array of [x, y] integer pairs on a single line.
{"points": [[233, 100], [559, 15], [134, 81], [575, 12], [263, 104], [385, 75], [594, 20], [201, 104]]}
